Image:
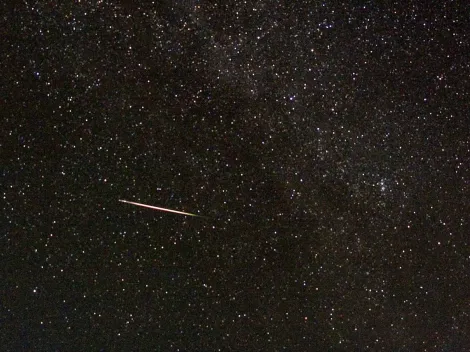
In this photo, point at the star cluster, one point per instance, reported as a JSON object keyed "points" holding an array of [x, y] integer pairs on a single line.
{"points": [[327, 143]]}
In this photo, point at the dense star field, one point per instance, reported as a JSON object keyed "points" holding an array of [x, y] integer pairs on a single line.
{"points": [[326, 144]]}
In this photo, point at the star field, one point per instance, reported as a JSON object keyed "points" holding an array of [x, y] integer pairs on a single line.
{"points": [[327, 144]]}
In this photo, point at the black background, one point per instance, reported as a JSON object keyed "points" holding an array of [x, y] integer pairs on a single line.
{"points": [[327, 143]]}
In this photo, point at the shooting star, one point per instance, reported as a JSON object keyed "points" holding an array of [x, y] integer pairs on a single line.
{"points": [[161, 209]]}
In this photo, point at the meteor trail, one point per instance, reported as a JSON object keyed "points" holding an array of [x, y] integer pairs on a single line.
{"points": [[161, 209]]}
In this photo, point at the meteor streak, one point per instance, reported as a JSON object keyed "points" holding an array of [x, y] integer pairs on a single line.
{"points": [[161, 209]]}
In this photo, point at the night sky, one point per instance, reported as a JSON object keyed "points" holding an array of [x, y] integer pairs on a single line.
{"points": [[326, 144]]}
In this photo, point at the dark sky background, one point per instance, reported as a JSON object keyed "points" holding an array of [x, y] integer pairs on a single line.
{"points": [[327, 142]]}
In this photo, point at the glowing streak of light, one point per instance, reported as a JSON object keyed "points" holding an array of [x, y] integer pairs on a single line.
{"points": [[158, 208]]}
